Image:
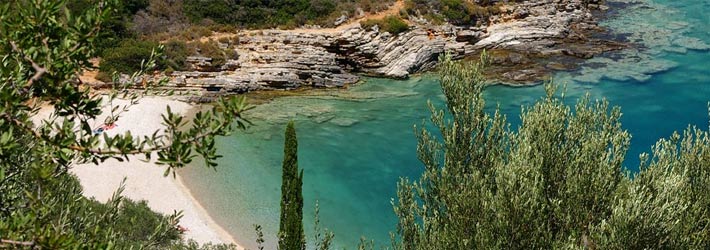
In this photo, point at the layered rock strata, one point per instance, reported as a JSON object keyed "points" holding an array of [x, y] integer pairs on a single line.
{"points": [[526, 40]]}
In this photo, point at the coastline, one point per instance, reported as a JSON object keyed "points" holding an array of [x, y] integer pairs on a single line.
{"points": [[223, 235], [144, 180], [205, 215], [526, 41]]}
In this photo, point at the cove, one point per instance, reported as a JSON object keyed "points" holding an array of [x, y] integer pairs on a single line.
{"points": [[355, 144]]}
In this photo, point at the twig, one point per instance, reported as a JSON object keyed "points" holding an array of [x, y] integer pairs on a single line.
{"points": [[20, 243], [39, 71], [98, 151]]}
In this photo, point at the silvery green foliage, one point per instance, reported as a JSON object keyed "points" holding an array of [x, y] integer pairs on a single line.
{"points": [[555, 182], [322, 237], [667, 205], [43, 49]]}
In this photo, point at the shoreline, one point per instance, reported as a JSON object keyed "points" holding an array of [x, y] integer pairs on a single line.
{"points": [[526, 42], [179, 181], [225, 236], [144, 180]]}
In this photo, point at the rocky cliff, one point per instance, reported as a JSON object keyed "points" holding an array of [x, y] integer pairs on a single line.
{"points": [[526, 40]]}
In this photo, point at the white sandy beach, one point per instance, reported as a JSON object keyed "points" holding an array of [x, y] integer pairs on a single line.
{"points": [[144, 180]]}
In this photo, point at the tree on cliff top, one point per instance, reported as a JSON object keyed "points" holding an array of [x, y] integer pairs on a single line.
{"points": [[44, 48], [291, 235]]}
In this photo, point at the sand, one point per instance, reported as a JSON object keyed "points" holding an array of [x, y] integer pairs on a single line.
{"points": [[144, 180]]}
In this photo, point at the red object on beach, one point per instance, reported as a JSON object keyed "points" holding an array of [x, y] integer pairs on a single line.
{"points": [[108, 126]]}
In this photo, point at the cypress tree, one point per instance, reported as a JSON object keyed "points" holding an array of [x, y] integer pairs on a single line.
{"points": [[291, 235]]}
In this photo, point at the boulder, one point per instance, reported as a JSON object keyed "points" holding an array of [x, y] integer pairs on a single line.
{"points": [[342, 19]]}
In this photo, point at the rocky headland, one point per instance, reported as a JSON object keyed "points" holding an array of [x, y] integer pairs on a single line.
{"points": [[525, 40]]}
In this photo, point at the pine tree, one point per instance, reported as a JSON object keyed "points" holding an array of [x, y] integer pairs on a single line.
{"points": [[291, 235]]}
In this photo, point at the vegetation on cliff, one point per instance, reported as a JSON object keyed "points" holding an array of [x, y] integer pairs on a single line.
{"points": [[458, 12], [136, 25], [391, 24]]}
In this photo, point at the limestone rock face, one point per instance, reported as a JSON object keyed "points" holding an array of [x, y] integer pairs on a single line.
{"points": [[531, 24], [383, 54], [287, 59]]}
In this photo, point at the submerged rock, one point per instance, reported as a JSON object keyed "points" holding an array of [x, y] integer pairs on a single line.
{"points": [[344, 122], [323, 118], [691, 43]]}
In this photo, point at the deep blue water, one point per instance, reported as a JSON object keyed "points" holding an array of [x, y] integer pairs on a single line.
{"points": [[355, 144]]}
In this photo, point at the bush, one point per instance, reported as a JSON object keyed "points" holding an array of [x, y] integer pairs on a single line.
{"points": [[137, 223], [212, 50], [196, 32], [223, 28], [373, 6], [224, 40], [259, 14], [391, 24], [458, 12], [175, 54], [465, 13], [104, 77], [127, 57], [455, 11]]}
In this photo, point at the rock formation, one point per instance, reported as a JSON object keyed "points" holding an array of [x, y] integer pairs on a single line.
{"points": [[526, 40]]}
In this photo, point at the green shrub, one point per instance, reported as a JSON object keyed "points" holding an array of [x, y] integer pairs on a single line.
{"points": [[259, 14], [459, 12], [392, 24], [464, 12], [395, 25], [175, 54], [373, 6], [455, 11], [212, 50], [196, 32], [136, 223], [223, 28], [224, 40], [435, 19], [127, 57], [103, 76]]}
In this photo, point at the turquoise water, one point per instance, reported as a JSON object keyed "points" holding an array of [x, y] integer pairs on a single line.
{"points": [[355, 144]]}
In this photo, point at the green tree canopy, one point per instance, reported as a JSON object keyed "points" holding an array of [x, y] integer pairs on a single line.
{"points": [[44, 49], [556, 182], [291, 235]]}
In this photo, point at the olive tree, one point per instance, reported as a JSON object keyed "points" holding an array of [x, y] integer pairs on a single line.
{"points": [[43, 50], [556, 181]]}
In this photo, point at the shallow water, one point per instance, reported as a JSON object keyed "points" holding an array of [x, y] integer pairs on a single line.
{"points": [[355, 144]]}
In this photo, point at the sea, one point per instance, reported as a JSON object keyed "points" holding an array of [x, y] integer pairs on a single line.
{"points": [[355, 144]]}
